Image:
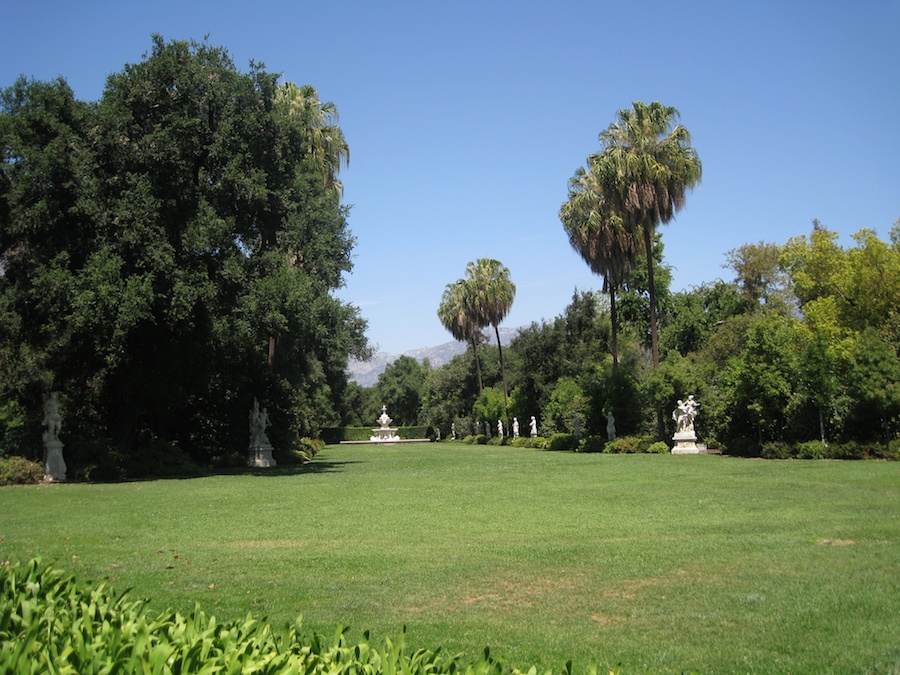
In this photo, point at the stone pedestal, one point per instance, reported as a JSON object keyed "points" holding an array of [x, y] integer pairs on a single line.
{"points": [[261, 455], [685, 443], [54, 464]]}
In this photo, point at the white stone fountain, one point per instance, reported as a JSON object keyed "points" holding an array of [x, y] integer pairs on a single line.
{"points": [[385, 433]]}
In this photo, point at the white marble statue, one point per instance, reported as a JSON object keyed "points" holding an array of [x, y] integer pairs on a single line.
{"points": [[52, 417], [610, 425], [533, 425], [54, 464], [260, 447], [684, 415], [500, 429], [259, 422], [515, 427], [453, 430]]}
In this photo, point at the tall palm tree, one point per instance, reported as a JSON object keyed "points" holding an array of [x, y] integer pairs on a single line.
{"points": [[490, 296], [456, 318], [645, 167], [322, 137], [322, 141], [600, 237]]}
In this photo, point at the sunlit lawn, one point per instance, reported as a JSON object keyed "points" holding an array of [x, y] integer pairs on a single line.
{"points": [[666, 563]]}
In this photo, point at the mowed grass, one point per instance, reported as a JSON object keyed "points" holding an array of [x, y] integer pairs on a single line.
{"points": [[666, 563]]}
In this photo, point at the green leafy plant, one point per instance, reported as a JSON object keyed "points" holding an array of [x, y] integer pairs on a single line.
{"points": [[19, 471], [562, 441]]}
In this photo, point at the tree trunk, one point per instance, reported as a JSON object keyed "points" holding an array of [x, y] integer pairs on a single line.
{"points": [[614, 319], [503, 372], [272, 343], [654, 343], [477, 365]]}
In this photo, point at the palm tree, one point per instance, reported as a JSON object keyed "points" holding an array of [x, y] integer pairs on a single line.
{"points": [[321, 141], [490, 297], [644, 169], [456, 318], [600, 237], [322, 137]]}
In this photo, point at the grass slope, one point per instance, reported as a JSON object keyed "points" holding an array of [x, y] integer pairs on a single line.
{"points": [[667, 563]]}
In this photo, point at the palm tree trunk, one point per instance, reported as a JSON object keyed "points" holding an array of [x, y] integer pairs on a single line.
{"points": [[477, 365], [503, 372], [654, 340], [614, 319]]}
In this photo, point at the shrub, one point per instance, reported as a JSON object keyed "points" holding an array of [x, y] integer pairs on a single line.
{"points": [[627, 445], [812, 450], [539, 442], [303, 451], [593, 444], [743, 447], [160, 458], [521, 442], [562, 441], [20, 471], [776, 450], [659, 448], [469, 439], [95, 460]]}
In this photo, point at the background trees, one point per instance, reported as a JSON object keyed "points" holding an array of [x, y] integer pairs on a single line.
{"points": [[157, 245], [790, 350]]}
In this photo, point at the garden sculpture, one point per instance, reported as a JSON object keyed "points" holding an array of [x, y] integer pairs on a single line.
{"points": [[684, 415], [610, 425]]}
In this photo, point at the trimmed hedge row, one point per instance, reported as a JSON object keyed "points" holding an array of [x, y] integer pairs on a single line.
{"points": [[51, 624], [820, 450], [334, 435], [570, 442]]}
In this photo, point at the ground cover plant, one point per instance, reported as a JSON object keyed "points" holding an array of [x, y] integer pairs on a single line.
{"points": [[659, 562]]}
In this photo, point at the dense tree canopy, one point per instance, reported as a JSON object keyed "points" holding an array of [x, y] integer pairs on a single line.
{"points": [[156, 245]]}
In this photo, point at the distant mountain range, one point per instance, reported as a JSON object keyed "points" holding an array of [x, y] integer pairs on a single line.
{"points": [[365, 373]]}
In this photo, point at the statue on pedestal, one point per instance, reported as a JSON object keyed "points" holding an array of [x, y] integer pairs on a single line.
{"points": [[515, 427], [54, 464], [610, 425], [260, 447], [533, 425], [685, 437], [684, 415]]}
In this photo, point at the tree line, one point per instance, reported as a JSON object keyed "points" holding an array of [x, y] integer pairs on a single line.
{"points": [[800, 345]]}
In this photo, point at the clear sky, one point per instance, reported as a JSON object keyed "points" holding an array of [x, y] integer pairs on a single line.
{"points": [[466, 118]]}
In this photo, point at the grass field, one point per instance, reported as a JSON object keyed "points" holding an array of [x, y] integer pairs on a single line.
{"points": [[666, 563]]}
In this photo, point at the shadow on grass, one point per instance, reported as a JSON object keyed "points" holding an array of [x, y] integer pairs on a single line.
{"points": [[314, 467]]}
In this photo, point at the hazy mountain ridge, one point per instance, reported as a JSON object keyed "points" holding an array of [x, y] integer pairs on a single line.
{"points": [[365, 373]]}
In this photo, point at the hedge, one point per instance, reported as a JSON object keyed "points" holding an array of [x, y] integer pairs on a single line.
{"points": [[334, 435]]}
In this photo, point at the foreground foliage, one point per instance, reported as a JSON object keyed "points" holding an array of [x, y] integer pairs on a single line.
{"points": [[49, 623]]}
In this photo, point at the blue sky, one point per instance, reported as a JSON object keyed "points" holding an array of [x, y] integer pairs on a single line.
{"points": [[465, 120]]}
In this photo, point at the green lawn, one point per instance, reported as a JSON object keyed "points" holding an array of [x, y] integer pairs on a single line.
{"points": [[665, 563]]}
